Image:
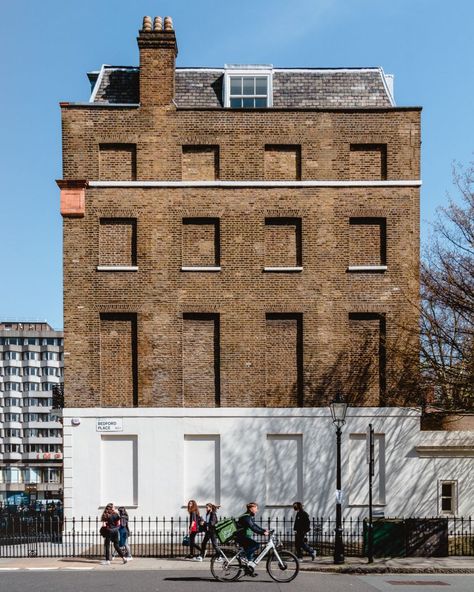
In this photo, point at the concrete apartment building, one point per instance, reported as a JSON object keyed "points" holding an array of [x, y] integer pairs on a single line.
{"points": [[31, 452], [237, 241]]}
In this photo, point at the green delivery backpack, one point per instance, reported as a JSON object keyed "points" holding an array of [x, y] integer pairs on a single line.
{"points": [[226, 529]]}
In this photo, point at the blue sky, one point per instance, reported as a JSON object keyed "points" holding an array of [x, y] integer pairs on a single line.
{"points": [[47, 47]]}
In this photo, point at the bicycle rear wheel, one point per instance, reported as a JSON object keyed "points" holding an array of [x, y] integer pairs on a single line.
{"points": [[224, 571], [285, 571]]}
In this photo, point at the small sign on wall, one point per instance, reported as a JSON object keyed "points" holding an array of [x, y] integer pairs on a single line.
{"points": [[109, 424]]}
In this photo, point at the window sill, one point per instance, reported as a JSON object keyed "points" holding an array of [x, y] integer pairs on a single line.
{"points": [[201, 268], [283, 269], [367, 268], [117, 268]]}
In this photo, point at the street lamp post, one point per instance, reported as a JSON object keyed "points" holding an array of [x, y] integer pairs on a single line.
{"points": [[338, 412]]}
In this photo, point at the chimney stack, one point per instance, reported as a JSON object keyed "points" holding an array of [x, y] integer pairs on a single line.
{"points": [[158, 51]]}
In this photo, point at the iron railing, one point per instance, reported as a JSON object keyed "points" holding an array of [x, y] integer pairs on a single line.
{"points": [[51, 535]]}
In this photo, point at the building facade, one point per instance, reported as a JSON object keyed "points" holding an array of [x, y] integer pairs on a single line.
{"points": [[240, 243], [31, 452]]}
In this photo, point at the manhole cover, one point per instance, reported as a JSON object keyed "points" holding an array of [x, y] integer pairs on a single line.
{"points": [[417, 583]]}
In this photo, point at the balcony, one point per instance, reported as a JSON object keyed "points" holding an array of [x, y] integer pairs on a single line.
{"points": [[13, 424], [13, 440], [12, 456], [57, 456], [40, 424], [42, 440]]}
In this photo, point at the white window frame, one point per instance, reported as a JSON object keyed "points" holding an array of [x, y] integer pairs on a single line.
{"points": [[252, 71], [454, 498]]}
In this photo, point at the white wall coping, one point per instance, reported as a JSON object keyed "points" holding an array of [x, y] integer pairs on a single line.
{"points": [[219, 412], [367, 268], [445, 451], [170, 184], [201, 268], [117, 268], [295, 268]]}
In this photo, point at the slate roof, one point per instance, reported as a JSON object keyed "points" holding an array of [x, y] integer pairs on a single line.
{"points": [[292, 88]]}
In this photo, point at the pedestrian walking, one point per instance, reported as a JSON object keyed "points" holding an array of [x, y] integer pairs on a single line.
{"points": [[195, 522], [124, 532], [110, 531], [301, 527], [210, 521]]}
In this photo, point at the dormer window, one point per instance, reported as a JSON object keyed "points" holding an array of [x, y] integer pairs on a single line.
{"points": [[248, 87]]}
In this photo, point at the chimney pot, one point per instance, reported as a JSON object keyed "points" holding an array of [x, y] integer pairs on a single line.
{"points": [[168, 23], [158, 23], [147, 24]]}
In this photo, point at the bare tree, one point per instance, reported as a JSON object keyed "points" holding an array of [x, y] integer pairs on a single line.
{"points": [[447, 300]]}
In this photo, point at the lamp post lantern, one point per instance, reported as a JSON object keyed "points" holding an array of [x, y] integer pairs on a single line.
{"points": [[338, 412]]}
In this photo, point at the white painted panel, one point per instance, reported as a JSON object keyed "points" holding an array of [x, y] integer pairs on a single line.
{"points": [[358, 489], [284, 469], [119, 470], [202, 469]]}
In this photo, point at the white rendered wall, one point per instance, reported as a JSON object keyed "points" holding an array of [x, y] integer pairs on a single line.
{"points": [[163, 457]]}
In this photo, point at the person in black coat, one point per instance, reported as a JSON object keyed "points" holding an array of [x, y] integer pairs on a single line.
{"points": [[301, 527], [111, 522], [210, 521]]}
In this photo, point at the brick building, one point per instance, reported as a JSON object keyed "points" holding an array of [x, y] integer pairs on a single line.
{"points": [[237, 241]]}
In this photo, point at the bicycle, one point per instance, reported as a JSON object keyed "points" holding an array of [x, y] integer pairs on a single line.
{"points": [[282, 566]]}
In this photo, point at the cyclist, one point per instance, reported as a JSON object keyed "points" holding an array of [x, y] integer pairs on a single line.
{"points": [[247, 527]]}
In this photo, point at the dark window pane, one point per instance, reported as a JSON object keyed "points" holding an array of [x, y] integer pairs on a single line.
{"points": [[236, 85], [261, 85], [248, 103], [446, 504], [249, 85], [236, 103], [447, 489], [260, 102]]}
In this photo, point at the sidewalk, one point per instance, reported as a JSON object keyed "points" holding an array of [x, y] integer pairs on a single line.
{"points": [[355, 565]]}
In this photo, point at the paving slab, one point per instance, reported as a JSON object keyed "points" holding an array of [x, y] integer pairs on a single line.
{"points": [[455, 565]]}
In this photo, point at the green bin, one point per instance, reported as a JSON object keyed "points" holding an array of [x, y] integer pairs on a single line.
{"points": [[389, 537]]}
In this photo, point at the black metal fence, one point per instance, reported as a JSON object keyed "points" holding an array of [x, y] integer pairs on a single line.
{"points": [[55, 536]]}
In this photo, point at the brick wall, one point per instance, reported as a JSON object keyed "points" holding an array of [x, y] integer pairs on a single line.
{"points": [[200, 163], [283, 386], [282, 162], [200, 362], [117, 241], [117, 360], [282, 242], [368, 161], [200, 242], [367, 241], [242, 294], [117, 162]]}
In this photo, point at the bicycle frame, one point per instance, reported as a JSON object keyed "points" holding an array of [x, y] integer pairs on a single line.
{"points": [[268, 547]]}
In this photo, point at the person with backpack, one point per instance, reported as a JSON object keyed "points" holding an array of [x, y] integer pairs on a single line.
{"points": [[110, 531], [246, 527], [301, 527], [210, 522], [195, 526], [124, 532]]}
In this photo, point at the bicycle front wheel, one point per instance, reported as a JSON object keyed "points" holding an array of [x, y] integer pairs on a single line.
{"points": [[284, 571], [225, 571]]}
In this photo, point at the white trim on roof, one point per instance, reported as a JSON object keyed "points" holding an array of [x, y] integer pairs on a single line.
{"points": [[97, 83], [260, 67], [265, 184], [386, 86]]}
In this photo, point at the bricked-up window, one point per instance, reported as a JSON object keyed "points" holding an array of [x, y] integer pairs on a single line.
{"points": [[117, 162], [118, 360], [201, 242], [284, 360], [368, 162], [118, 242], [367, 358], [282, 162], [201, 360], [283, 242], [367, 242], [200, 163]]}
